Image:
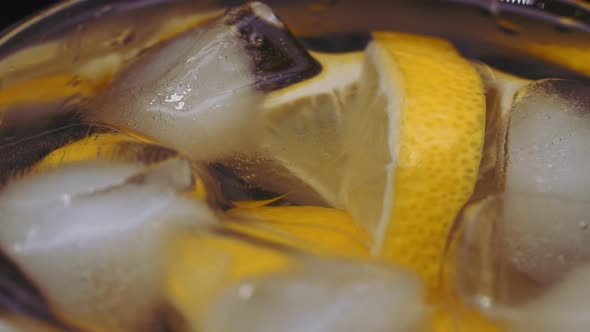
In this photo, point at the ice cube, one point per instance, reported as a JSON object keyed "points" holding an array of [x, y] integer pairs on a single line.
{"points": [[199, 93], [500, 90], [562, 308], [19, 298], [547, 137], [517, 245], [547, 183], [326, 296], [90, 236]]}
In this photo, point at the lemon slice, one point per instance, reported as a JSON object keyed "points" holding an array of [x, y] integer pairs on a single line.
{"points": [[58, 94], [318, 230], [50, 89], [97, 145], [301, 121], [573, 56], [416, 134]]}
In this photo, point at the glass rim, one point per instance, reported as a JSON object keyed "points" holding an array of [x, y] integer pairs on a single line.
{"points": [[21, 25]]}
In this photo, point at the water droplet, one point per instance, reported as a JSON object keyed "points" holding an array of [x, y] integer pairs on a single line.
{"points": [[173, 98], [246, 291], [180, 106], [583, 225]]}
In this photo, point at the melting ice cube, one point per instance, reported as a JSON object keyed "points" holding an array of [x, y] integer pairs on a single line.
{"points": [[500, 89], [547, 183], [519, 243], [326, 296], [562, 308], [90, 236], [199, 93]]}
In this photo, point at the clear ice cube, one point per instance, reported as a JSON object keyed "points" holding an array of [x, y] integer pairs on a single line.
{"points": [[90, 235], [500, 90], [520, 243], [200, 92], [562, 308], [547, 157], [323, 295]]}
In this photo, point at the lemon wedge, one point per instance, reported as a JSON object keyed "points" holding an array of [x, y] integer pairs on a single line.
{"points": [[318, 230], [303, 120], [415, 137], [416, 134]]}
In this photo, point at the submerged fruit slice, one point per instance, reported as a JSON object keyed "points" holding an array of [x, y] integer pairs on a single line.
{"points": [[113, 146], [315, 229], [572, 56], [202, 265], [306, 119], [50, 89], [94, 146], [300, 150], [415, 136]]}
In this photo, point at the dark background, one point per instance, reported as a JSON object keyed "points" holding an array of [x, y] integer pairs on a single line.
{"points": [[14, 11], [17, 10]]}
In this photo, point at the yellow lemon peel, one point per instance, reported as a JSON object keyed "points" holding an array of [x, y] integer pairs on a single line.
{"points": [[319, 230]]}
